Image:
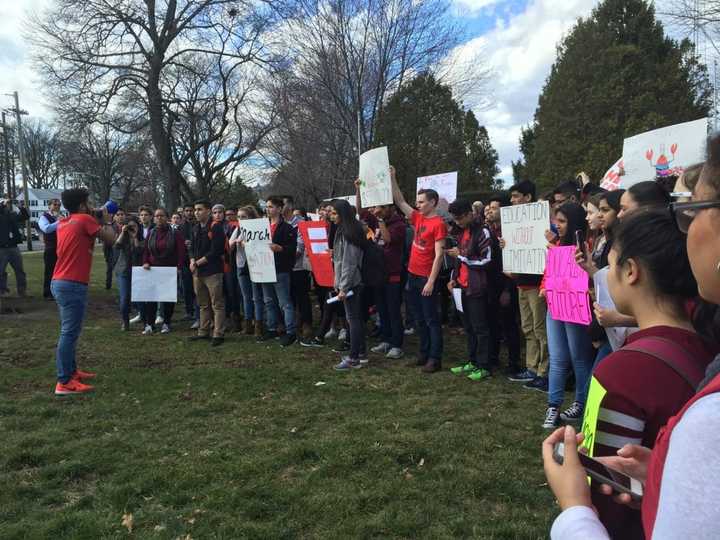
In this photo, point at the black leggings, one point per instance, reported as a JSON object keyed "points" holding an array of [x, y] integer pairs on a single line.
{"points": [[150, 308]]}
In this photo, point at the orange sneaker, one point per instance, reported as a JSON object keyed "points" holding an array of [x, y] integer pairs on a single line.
{"points": [[73, 386], [79, 375]]}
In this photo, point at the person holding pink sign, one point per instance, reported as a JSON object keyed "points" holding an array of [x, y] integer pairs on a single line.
{"points": [[568, 342]]}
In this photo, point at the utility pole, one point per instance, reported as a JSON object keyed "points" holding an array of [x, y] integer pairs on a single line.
{"points": [[23, 172], [8, 174]]}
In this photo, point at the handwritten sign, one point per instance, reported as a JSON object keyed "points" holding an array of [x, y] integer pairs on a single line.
{"points": [[596, 393], [375, 186], [663, 152], [611, 180], [314, 234], [159, 284], [445, 184], [261, 260], [566, 287], [523, 229]]}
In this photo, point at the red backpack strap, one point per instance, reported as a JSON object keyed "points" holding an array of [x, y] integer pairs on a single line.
{"points": [[673, 355]]}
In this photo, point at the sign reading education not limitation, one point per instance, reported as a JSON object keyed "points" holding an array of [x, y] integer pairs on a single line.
{"points": [[523, 229]]}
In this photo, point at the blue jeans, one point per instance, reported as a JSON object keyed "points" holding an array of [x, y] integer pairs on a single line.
{"points": [[388, 299], [569, 345], [124, 282], [427, 319], [279, 293], [252, 298], [71, 299]]}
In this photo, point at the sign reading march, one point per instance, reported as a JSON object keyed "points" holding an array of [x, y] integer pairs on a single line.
{"points": [[261, 260], [523, 229], [375, 186]]}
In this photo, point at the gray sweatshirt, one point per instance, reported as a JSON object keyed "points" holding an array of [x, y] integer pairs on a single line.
{"points": [[347, 261]]}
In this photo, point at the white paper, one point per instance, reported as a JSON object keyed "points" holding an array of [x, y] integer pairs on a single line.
{"points": [[445, 184], [316, 233], [616, 334], [375, 186], [457, 296], [319, 247], [664, 151], [611, 180], [313, 217], [159, 284], [261, 260], [523, 229]]}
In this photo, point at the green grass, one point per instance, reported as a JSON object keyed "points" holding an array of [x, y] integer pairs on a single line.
{"points": [[240, 442]]}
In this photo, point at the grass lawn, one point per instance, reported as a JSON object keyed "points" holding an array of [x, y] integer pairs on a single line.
{"points": [[241, 442]]}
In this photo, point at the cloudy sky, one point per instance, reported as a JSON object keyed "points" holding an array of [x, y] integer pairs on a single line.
{"points": [[518, 38]]}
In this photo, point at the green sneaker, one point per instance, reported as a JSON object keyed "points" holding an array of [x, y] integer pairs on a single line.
{"points": [[459, 370], [479, 375]]}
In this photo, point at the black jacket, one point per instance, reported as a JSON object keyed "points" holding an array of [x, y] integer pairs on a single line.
{"points": [[10, 226], [209, 242], [286, 236]]}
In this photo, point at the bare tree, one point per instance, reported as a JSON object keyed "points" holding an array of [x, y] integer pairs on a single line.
{"points": [[121, 62], [42, 154]]}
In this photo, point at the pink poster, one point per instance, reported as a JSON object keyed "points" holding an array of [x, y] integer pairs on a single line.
{"points": [[566, 287]]}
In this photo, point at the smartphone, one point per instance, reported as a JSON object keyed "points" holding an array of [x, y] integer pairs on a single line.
{"points": [[580, 240], [620, 482]]}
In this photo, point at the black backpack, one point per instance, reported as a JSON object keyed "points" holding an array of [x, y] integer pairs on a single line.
{"points": [[373, 265]]}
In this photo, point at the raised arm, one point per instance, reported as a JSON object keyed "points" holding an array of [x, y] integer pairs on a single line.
{"points": [[398, 198]]}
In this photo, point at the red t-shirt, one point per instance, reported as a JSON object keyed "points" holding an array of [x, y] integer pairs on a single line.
{"points": [[75, 241], [427, 232]]}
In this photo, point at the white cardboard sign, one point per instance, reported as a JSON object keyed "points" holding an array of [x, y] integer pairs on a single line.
{"points": [[611, 180], [261, 260], [664, 151], [445, 184], [375, 186], [523, 229], [158, 284]]}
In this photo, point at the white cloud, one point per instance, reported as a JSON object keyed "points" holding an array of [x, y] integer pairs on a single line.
{"points": [[521, 50]]}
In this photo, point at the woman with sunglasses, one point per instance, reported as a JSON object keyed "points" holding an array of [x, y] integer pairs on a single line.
{"points": [[681, 476]]}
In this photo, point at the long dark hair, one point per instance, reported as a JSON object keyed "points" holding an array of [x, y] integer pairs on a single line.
{"points": [[575, 215], [649, 194], [349, 227]]}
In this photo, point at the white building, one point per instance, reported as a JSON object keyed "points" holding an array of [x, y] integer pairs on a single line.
{"points": [[39, 201]]}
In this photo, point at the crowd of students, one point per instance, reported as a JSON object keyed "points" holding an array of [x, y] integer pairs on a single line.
{"points": [[650, 345]]}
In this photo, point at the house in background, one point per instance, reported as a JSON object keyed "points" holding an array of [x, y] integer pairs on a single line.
{"points": [[39, 202]]}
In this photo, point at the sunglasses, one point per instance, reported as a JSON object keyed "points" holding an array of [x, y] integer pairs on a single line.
{"points": [[683, 213]]}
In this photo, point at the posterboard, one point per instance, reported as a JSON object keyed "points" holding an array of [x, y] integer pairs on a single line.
{"points": [[314, 234], [158, 284], [566, 287], [375, 186], [616, 334], [663, 152], [445, 184], [612, 178], [523, 229], [255, 233], [349, 198]]}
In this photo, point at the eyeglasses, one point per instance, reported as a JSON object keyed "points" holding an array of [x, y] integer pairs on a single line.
{"points": [[684, 213]]}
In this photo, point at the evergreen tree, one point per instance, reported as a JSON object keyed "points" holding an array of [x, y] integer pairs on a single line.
{"points": [[427, 132], [616, 75]]}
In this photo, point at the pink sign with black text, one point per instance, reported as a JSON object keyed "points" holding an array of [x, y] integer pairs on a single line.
{"points": [[566, 287]]}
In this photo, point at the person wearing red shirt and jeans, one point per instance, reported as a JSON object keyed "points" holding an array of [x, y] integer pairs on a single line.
{"points": [[76, 236], [426, 256]]}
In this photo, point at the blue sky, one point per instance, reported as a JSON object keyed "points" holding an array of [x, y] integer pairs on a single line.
{"points": [[516, 38]]}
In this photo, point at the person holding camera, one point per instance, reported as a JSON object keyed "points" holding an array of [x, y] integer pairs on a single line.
{"points": [[76, 236], [128, 253], [9, 252]]}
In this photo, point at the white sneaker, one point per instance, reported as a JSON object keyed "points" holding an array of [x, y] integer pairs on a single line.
{"points": [[195, 325], [136, 319], [165, 329], [148, 330], [409, 331], [159, 320], [381, 349], [330, 334], [342, 335], [394, 353]]}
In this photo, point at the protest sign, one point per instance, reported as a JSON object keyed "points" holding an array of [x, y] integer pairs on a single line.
{"points": [[314, 234], [158, 284], [663, 152], [375, 186], [445, 184], [566, 287], [611, 180], [523, 229], [255, 233]]}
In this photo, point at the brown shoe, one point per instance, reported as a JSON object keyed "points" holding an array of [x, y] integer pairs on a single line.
{"points": [[258, 328], [431, 366], [249, 327]]}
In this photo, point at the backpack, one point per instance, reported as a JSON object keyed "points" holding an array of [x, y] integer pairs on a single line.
{"points": [[373, 265]]}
